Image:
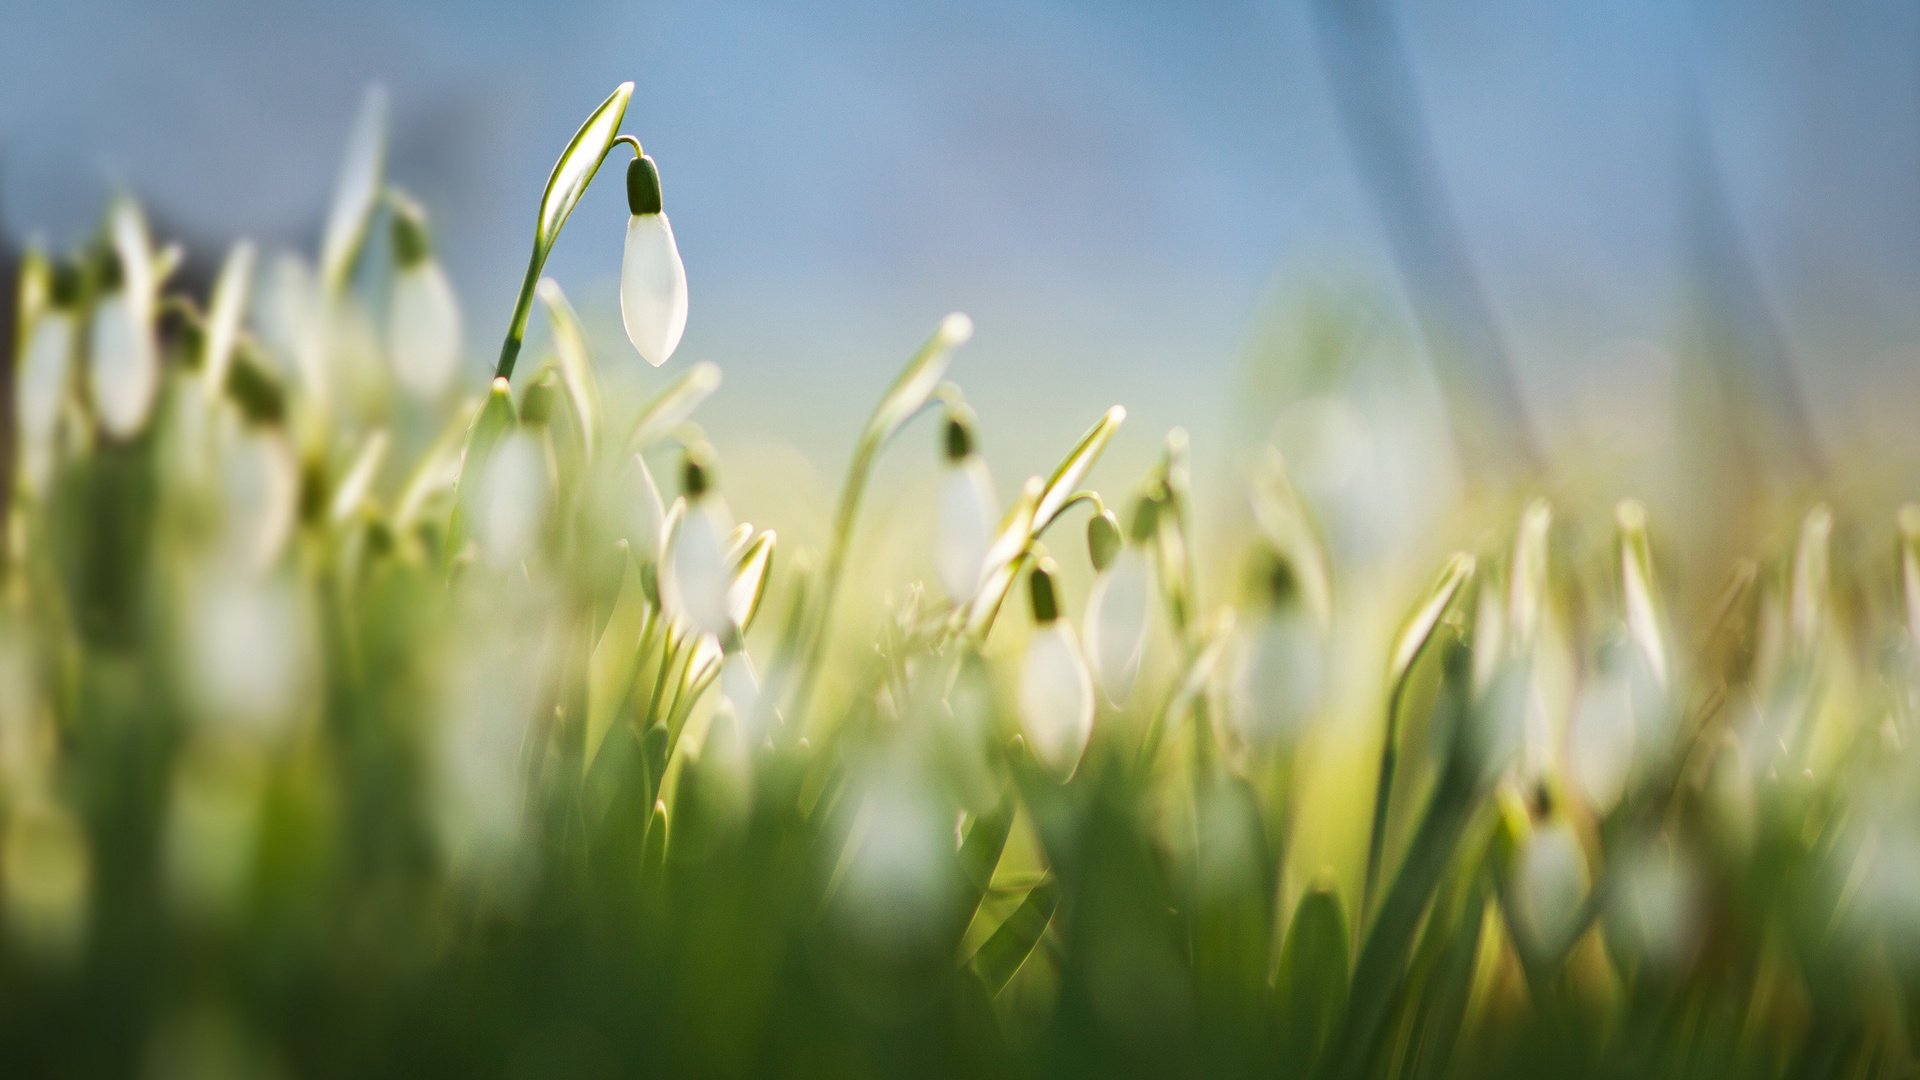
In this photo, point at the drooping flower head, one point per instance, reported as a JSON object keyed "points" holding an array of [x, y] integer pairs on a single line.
{"points": [[653, 283]]}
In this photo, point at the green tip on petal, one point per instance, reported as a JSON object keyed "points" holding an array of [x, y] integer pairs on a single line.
{"points": [[643, 186], [1103, 539], [1046, 604]]}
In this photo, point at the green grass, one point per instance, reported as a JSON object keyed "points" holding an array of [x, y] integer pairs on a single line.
{"points": [[349, 728]]}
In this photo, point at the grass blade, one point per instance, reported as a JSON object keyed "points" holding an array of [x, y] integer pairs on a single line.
{"points": [[1003, 954]]}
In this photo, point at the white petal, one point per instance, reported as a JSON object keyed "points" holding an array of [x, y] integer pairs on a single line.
{"points": [[1600, 746], [43, 387], [1056, 699], [510, 500], [1551, 885], [423, 332], [966, 523], [126, 365], [653, 288], [259, 477], [249, 653], [1116, 622], [694, 586]]}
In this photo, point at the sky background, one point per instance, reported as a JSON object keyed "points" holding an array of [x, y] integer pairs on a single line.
{"points": [[1112, 190]]}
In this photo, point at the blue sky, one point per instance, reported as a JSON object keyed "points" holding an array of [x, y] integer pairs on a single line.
{"points": [[1109, 189]]}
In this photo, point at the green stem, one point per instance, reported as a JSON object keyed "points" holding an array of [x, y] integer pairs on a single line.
{"points": [[1380, 967], [517, 329], [1382, 798]]}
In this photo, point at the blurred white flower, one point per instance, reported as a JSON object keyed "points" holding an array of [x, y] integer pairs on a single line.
{"points": [[653, 283], [897, 885], [966, 514], [1600, 746], [1277, 678], [1056, 689], [1550, 883], [695, 570], [125, 370], [250, 658], [1116, 621], [1653, 907], [258, 475], [423, 330], [44, 373], [510, 500]]}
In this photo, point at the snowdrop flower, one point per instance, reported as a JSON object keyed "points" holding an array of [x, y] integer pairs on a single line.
{"points": [[423, 327], [248, 653], [653, 284], [510, 500], [1056, 690], [1116, 615], [966, 513], [1615, 724], [1278, 679], [1550, 885], [125, 372], [44, 373], [695, 570]]}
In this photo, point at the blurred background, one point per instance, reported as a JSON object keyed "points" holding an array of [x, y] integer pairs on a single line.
{"points": [[1130, 199]]}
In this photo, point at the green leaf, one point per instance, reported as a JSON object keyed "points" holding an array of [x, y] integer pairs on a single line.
{"points": [[916, 384], [351, 492], [1003, 954], [576, 368], [1074, 468], [1640, 603], [674, 406], [1037, 506], [1408, 646], [1311, 984], [1527, 588], [577, 164], [224, 312], [356, 193], [653, 856], [571, 175], [1417, 631]]}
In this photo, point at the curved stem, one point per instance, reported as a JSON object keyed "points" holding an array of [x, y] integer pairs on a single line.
{"points": [[523, 304]]}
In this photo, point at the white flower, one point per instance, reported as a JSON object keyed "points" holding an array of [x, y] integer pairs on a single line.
{"points": [[43, 387], [1600, 746], [1056, 699], [125, 373], [1550, 886], [653, 283], [423, 330], [1116, 621], [693, 584], [248, 653], [965, 527], [1056, 689], [1277, 682], [509, 500]]}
